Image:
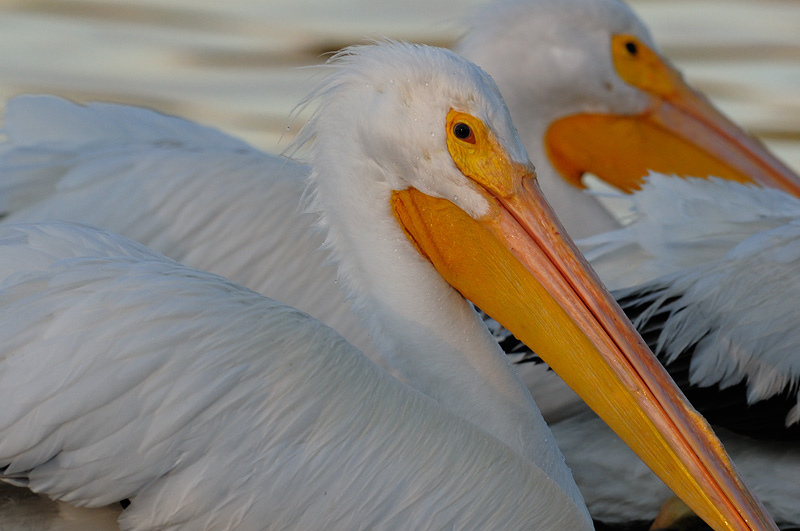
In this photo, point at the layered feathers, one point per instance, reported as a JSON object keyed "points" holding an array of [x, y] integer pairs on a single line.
{"points": [[722, 266]]}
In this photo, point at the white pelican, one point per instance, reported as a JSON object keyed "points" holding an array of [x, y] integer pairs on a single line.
{"points": [[125, 375]]}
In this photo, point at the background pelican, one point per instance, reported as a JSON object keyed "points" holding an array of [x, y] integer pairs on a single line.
{"points": [[611, 105], [207, 405]]}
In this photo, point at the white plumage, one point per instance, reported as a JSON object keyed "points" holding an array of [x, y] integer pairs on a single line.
{"points": [[191, 192], [595, 455], [114, 159], [677, 223], [128, 375]]}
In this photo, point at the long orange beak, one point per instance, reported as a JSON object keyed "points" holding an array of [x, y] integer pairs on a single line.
{"points": [[517, 264], [680, 133]]}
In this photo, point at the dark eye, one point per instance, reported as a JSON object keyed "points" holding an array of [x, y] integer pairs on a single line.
{"points": [[631, 47], [463, 132]]}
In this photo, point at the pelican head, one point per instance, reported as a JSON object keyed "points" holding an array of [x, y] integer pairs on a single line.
{"points": [[410, 149], [592, 94], [419, 175]]}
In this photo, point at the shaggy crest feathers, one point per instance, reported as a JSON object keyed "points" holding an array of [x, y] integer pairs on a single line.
{"points": [[389, 62], [428, 82]]}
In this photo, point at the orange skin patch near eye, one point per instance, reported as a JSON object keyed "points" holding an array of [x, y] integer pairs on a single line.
{"points": [[480, 157]]}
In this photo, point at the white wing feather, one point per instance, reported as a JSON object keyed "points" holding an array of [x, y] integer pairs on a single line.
{"points": [[679, 223], [725, 257], [124, 374], [47, 135], [741, 312], [191, 192]]}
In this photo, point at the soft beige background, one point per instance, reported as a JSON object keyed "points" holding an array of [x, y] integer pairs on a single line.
{"points": [[234, 64]]}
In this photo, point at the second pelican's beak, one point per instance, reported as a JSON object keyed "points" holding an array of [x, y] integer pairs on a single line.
{"points": [[517, 264], [679, 133]]}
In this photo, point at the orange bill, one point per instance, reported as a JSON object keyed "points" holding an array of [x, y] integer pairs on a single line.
{"points": [[679, 133]]}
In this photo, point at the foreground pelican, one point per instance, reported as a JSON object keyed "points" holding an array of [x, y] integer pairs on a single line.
{"points": [[194, 193], [126, 375]]}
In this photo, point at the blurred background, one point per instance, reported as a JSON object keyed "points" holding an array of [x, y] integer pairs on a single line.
{"points": [[242, 65]]}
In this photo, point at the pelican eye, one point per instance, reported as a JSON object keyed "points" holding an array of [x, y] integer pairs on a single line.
{"points": [[632, 48], [463, 132]]}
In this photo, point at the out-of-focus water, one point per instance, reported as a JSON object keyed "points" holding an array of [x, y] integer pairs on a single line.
{"points": [[237, 64]]}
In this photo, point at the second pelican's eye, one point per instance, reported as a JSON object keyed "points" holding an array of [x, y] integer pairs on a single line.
{"points": [[632, 48], [463, 132]]}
